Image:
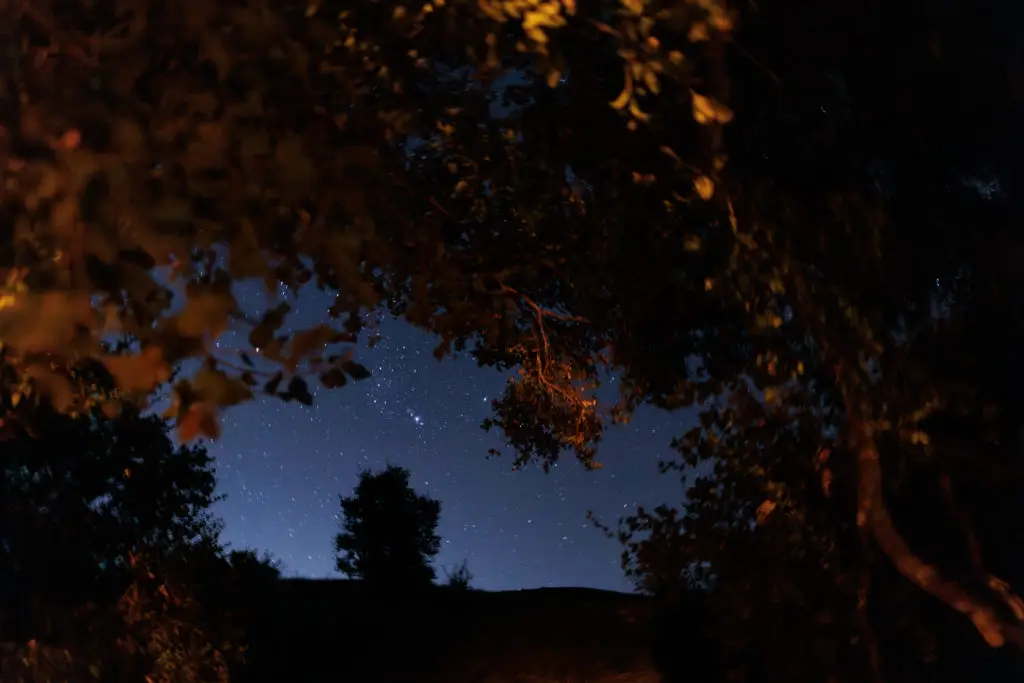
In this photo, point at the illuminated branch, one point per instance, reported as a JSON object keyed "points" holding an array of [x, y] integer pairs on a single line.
{"points": [[543, 372], [543, 352], [873, 515], [874, 518]]}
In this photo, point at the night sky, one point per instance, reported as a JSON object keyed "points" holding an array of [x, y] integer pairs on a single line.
{"points": [[283, 465]]}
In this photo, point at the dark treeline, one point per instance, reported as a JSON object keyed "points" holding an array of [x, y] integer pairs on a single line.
{"points": [[111, 552]]}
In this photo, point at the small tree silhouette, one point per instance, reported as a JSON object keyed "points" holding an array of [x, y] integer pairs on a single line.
{"points": [[387, 536], [459, 578]]}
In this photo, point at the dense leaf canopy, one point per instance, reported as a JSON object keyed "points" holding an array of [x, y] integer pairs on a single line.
{"points": [[796, 216]]}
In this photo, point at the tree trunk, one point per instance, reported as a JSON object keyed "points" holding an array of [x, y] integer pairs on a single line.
{"points": [[873, 515]]}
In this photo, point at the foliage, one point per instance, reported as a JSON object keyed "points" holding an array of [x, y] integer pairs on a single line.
{"points": [[84, 494], [168, 623], [105, 535], [459, 578], [794, 217], [387, 536], [251, 567]]}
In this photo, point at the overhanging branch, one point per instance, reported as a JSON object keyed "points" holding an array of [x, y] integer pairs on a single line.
{"points": [[873, 515]]}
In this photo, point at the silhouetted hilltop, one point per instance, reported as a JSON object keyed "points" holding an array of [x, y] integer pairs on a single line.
{"points": [[316, 630]]}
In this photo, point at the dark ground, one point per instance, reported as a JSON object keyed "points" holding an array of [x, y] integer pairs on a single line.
{"points": [[307, 630]]}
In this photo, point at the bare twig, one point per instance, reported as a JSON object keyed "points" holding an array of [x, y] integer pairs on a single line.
{"points": [[768, 72]]}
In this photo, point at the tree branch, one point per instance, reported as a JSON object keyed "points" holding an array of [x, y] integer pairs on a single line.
{"points": [[873, 515]]}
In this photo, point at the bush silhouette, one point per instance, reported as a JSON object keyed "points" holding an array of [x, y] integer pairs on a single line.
{"points": [[250, 567], [388, 534], [109, 549], [459, 578]]}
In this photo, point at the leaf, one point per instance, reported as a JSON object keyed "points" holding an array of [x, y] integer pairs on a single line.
{"points": [[129, 139], [213, 50], [298, 390], [206, 315], [171, 211], [271, 322], [64, 215], [306, 342], [705, 187], [45, 323], [625, 96], [208, 149], [216, 387], [254, 145], [698, 32], [355, 370], [141, 373], [294, 167], [333, 379], [764, 510], [53, 386], [199, 420], [273, 383], [637, 112], [707, 110]]}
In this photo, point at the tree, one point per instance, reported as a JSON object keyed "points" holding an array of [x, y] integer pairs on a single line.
{"points": [[796, 216], [84, 494], [106, 537], [387, 537]]}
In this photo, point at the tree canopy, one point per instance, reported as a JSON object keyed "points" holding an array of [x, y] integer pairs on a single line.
{"points": [[83, 495], [387, 536], [796, 216], [106, 542]]}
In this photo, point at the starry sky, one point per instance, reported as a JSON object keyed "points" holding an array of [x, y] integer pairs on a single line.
{"points": [[283, 465]]}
